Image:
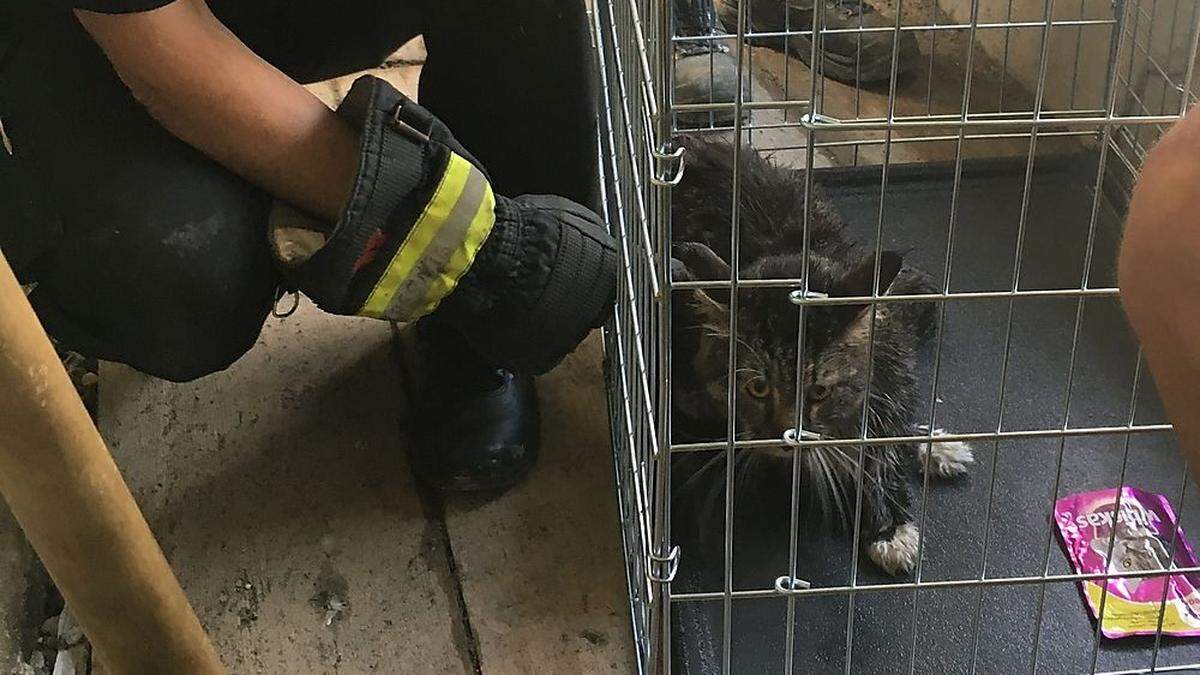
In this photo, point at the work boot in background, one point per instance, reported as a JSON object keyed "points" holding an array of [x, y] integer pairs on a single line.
{"points": [[705, 70], [474, 427], [855, 58]]}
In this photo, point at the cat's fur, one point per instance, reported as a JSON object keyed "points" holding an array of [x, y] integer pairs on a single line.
{"points": [[838, 357]]}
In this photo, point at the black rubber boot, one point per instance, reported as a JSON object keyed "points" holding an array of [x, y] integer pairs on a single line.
{"points": [[854, 58], [474, 427], [705, 71]]}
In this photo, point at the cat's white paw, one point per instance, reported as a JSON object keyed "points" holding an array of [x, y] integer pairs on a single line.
{"points": [[897, 554], [947, 458]]}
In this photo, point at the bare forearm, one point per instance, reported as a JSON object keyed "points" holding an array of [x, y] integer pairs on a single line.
{"points": [[1160, 276], [207, 88]]}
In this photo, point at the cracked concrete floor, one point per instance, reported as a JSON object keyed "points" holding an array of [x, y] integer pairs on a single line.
{"points": [[280, 492]]}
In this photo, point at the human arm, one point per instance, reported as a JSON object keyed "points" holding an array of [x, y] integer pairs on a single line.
{"points": [[1159, 275], [410, 223], [203, 85]]}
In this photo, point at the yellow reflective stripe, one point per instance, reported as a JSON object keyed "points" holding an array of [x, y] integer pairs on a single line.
{"points": [[460, 261], [408, 302], [426, 228]]}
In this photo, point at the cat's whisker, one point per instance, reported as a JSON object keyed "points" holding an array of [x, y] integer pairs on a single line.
{"points": [[823, 483], [812, 469], [834, 486], [710, 503], [698, 473], [758, 354], [851, 464], [741, 473]]}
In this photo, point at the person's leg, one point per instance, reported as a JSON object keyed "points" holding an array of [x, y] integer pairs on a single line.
{"points": [[853, 57], [514, 81], [162, 261], [705, 70], [313, 40]]}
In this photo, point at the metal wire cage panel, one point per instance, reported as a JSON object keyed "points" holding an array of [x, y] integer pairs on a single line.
{"points": [[1001, 160], [631, 129]]}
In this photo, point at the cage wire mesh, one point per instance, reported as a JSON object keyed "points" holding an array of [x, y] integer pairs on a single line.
{"points": [[1002, 161]]}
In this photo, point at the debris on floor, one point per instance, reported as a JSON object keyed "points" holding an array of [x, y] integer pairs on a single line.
{"points": [[62, 649], [332, 593]]}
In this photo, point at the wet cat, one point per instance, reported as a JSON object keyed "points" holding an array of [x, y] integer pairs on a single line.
{"points": [[838, 354]]}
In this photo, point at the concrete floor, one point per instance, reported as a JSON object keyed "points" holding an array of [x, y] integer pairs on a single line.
{"points": [[281, 494], [14, 571]]}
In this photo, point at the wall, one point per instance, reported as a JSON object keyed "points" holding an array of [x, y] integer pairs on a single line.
{"points": [[1078, 56]]}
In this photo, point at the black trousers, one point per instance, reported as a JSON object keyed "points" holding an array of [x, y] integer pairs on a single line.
{"points": [[144, 251]]}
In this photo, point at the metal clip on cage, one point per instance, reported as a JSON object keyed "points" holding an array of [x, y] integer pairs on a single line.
{"points": [[1003, 158], [666, 159]]}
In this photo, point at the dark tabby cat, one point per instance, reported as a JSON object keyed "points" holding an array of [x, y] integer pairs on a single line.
{"points": [[835, 358]]}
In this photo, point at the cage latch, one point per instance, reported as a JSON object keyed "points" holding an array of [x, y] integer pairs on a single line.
{"points": [[663, 568], [787, 584], [815, 120], [793, 437], [798, 296]]}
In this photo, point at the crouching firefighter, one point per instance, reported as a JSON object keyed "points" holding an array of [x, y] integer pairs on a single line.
{"points": [[167, 175]]}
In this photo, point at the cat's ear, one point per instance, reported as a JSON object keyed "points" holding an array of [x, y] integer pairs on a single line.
{"points": [[700, 260], [699, 309], [695, 307], [693, 261], [859, 281]]}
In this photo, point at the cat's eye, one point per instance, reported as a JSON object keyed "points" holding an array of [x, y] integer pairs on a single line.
{"points": [[817, 392], [758, 387]]}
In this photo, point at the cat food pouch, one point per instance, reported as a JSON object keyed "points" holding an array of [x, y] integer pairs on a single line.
{"points": [[1144, 529]]}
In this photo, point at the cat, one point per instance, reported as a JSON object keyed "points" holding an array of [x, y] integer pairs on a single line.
{"points": [[837, 344]]}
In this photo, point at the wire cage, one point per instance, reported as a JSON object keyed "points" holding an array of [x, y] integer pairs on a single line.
{"points": [[1002, 161]]}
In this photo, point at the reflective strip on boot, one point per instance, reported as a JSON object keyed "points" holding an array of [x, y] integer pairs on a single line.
{"points": [[439, 248]]}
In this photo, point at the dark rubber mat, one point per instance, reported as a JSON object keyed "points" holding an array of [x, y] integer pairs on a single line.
{"points": [[877, 630]]}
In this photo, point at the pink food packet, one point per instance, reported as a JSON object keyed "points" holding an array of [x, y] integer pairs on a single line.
{"points": [[1144, 528]]}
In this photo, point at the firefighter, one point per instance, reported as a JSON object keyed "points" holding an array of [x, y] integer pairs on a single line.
{"points": [[165, 174]]}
